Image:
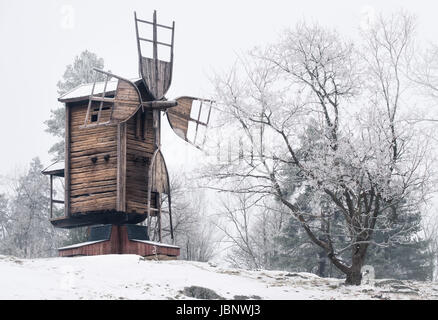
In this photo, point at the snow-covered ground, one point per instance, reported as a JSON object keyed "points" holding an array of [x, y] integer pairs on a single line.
{"points": [[133, 277]]}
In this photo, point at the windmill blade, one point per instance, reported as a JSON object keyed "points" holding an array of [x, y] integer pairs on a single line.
{"points": [[103, 110], [189, 118], [159, 176], [156, 74], [158, 182], [127, 100]]}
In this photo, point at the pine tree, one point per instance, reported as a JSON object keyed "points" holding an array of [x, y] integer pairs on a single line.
{"points": [[406, 258], [296, 252]]}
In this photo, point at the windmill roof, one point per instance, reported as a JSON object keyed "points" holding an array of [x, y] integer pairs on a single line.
{"points": [[56, 169], [83, 91]]}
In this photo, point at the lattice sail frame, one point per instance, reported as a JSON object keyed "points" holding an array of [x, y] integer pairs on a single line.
{"points": [[126, 102], [123, 106], [180, 118], [156, 74]]}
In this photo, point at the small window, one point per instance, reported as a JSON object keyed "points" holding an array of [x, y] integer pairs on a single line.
{"points": [[94, 115]]}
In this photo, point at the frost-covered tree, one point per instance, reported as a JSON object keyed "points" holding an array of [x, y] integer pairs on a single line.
{"points": [[249, 231], [27, 232], [361, 162], [4, 217], [80, 72], [191, 228], [410, 257], [424, 71]]}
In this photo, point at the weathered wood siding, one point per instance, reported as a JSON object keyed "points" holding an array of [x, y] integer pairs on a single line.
{"points": [[93, 185], [127, 101], [157, 86], [139, 151]]}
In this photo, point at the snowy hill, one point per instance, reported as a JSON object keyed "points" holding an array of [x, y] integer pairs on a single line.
{"points": [[133, 277]]}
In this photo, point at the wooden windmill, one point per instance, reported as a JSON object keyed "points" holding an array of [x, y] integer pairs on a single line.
{"points": [[115, 173]]}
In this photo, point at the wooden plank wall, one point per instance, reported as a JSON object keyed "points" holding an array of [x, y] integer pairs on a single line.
{"points": [[140, 148], [93, 186], [120, 244]]}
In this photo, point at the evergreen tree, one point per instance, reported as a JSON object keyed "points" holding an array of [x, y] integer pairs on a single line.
{"points": [[297, 253], [406, 258]]}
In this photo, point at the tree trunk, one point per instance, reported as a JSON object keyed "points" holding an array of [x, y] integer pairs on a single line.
{"points": [[322, 263], [354, 276]]}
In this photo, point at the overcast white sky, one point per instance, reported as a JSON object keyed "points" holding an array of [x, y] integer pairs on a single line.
{"points": [[39, 38]]}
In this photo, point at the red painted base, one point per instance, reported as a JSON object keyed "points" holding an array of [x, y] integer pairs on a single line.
{"points": [[120, 244]]}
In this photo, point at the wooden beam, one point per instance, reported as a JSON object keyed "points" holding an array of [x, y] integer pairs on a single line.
{"points": [[171, 51], [155, 54], [160, 104], [67, 160], [188, 118], [121, 167], [158, 25], [158, 201], [138, 131], [197, 123], [90, 102], [102, 99], [94, 125], [89, 218], [51, 196], [158, 42]]}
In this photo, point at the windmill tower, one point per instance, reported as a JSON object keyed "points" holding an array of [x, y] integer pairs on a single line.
{"points": [[115, 173]]}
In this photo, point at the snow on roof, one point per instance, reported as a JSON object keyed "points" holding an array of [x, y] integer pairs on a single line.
{"points": [[84, 90], [158, 244], [78, 245], [55, 168]]}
